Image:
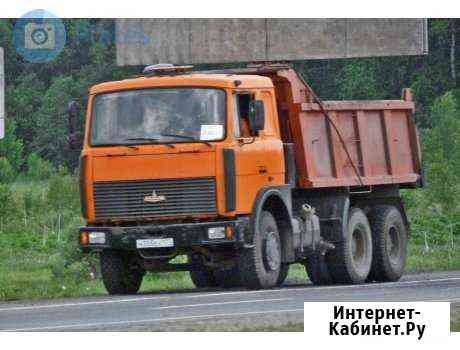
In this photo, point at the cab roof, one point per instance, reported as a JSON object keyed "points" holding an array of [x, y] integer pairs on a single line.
{"points": [[193, 79]]}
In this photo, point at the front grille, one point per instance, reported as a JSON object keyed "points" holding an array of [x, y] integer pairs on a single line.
{"points": [[125, 199]]}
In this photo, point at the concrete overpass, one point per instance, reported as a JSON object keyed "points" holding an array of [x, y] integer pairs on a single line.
{"points": [[179, 41]]}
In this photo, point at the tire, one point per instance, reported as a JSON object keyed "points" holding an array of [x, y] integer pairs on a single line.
{"points": [[228, 278], [202, 277], [117, 273], [350, 262], [260, 265], [284, 271], [389, 236], [317, 270]]}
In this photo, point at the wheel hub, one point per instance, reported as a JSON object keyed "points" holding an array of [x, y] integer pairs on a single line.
{"points": [[272, 254]]}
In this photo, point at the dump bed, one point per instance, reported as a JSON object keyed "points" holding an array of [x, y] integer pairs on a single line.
{"points": [[378, 144], [347, 143]]}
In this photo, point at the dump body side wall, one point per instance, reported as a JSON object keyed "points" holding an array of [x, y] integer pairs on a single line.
{"points": [[380, 140], [379, 136]]}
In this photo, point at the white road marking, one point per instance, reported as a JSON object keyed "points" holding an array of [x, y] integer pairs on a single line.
{"points": [[248, 292], [221, 303], [16, 308], [148, 320], [314, 288]]}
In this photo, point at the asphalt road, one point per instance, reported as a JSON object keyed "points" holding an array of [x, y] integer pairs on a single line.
{"points": [[214, 309]]}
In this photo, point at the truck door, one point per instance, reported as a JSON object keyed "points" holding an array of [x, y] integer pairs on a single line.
{"points": [[259, 160]]}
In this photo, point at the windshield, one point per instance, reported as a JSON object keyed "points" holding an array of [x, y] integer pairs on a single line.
{"points": [[160, 115]]}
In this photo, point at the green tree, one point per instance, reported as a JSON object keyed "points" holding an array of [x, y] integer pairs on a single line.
{"points": [[11, 147], [442, 154], [23, 99], [357, 80], [51, 124]]}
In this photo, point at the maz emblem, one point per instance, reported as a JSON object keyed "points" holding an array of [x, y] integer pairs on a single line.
{"points": [[154, 198]]}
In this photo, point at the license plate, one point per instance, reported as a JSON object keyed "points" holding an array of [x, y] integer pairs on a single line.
{"points": [[155, 243]]}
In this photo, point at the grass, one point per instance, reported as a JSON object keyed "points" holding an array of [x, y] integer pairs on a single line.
{"points": [[29, 276], [455, 317], [439, 257], [32, 278]]}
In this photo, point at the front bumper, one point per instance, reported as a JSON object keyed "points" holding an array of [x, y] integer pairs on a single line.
{"points": [[185, 235]]}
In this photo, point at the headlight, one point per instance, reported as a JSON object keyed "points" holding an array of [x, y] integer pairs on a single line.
{"points": [[216, 232], [97, 238]]}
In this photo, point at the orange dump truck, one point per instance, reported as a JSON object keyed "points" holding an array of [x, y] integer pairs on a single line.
{"points": [[244, 172]]}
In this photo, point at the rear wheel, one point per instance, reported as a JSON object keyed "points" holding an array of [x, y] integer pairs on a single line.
{"points": [[119, 274], [389, 235], [260, 265], [350, 261]]}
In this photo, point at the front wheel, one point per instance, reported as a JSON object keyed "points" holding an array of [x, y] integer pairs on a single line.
{"points": [[228, 277], [260, 265], [119, 274], [202, 276]]}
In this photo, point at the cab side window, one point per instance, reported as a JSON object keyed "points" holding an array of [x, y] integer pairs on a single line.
{"points": [[242, 102]]}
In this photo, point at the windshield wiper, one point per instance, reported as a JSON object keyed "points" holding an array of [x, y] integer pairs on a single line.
{"points": [[151, 139], [187, 137], [142, 139]]}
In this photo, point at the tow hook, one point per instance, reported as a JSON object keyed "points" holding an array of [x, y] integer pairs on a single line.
{"points": [[307, 212]]}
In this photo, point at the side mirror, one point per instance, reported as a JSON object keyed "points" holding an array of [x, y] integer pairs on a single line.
{"points": [[256, 116], [72, 113]]}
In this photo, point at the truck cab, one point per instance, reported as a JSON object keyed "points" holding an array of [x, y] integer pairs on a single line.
{"points": [[195, 136]]}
